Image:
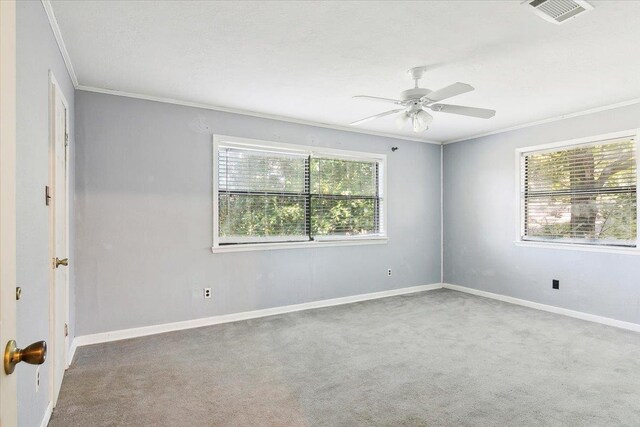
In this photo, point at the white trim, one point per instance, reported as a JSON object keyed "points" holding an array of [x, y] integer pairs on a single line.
{"points": [[579, 247], [53, 22], [251, 143], [350, 238], [124, 334], [8, 145], [74, 79], [250, 113], [306, 150], [249, 240], [55, 93], [58, 35], [544, 307], [72, 352], [633, 133], [519, 225], [548, 120], [47, 415], [519, 231], [442, 213], [299, 245]]}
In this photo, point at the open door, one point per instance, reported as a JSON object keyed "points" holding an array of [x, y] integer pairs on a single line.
{"points": [[58, 202], [12, 355], [8, 398]]}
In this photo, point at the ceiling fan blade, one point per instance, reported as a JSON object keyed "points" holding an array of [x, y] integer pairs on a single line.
{"points": [[377, 98], [366, 119], [481, 113], [448, 92]]}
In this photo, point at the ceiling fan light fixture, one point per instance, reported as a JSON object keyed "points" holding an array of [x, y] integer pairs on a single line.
{"points": [[402, 120], [421, 121], [424, 117], [419, 124]]}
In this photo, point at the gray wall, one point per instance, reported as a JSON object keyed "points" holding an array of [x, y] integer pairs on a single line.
{"points": [[144, 219], [37, 53], [480, 223]]}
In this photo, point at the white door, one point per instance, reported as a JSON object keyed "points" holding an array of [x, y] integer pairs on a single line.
{"points": [[58, 204], [8, 399]]}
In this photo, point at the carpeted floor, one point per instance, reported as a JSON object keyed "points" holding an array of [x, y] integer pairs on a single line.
{"points": [[438, 358]]}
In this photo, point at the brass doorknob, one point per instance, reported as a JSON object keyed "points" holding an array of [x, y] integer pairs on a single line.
{"points": [[64, 261], [35, 354]]}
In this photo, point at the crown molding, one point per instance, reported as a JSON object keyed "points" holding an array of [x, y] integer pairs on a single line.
{"points": [[248, 113], [548, 120], [58, 35], [74, 79]]}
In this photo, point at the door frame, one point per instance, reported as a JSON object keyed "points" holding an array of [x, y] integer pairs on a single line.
{"points": [[8, 388], [57, 349]]}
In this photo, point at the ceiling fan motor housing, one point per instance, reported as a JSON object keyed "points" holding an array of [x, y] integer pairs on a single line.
{"points": [[415, 93]]}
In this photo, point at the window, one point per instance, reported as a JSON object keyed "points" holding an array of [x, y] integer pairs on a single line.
{"points": [[580, 193], [271, 195]]}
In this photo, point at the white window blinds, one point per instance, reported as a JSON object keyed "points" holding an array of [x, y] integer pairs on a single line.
{"points": [[345, 198], [581, 194], [262, 196], [266, 196]]}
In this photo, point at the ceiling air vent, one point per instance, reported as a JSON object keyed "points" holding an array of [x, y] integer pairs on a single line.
{"points": [[558, 11]]}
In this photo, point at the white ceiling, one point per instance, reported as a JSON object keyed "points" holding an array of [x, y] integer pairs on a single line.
{"points": [[305, 60]]}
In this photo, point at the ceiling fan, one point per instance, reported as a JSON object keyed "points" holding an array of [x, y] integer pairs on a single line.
{"points": [[414, 104]]}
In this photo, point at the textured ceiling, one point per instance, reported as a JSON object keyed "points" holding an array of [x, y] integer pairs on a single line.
{"points": [[305, 60]]}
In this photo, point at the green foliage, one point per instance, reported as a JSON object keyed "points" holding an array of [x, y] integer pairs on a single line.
{"points": [[351, 214], [586, 193], [265, 195], [342, 177], [242, 215]]}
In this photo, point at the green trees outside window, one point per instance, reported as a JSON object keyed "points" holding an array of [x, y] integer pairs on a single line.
{"points": [[273, 196], [581, 194]]}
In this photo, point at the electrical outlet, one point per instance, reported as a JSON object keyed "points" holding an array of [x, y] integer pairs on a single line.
{"points": [[37, 378], [555, 284], [389, 272], [206, 293]]}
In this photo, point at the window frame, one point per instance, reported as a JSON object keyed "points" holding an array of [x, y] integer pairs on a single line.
{"points": [[318, 241], [554, 146]]}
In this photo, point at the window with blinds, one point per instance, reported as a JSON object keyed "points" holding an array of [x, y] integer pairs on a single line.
{"points": [[581, 194], [345, 197], [274, 194]]}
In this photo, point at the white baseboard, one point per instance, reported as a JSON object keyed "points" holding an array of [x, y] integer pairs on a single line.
{"points": [[215, 320], [47, 415], [550, 308], [72, 351]]}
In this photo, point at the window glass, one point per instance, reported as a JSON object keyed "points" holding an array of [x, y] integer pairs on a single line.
{"points": [[581, 194], [267, 196]]}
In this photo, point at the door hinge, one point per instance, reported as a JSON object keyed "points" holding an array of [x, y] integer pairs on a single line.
{"points": [[66, 330], [66, 139], [47, 195]]}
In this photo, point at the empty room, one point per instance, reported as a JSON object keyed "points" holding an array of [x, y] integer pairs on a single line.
{"points": [[319, 213]]}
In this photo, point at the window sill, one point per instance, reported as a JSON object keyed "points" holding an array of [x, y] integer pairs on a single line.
{"points": [[295, 245], [579, 247]]}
